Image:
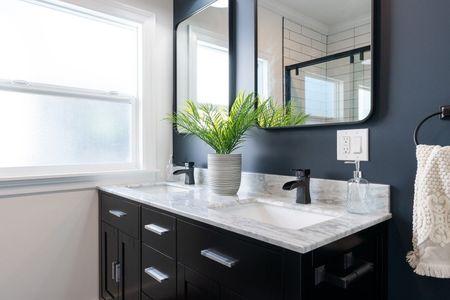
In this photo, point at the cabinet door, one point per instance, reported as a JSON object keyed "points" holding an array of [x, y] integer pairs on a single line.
{"points": [[109, 260], [226, 294], [129, 258], [193, 286]]}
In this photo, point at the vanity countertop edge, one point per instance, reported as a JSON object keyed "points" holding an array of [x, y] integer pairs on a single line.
{"points": [[199, 204]]}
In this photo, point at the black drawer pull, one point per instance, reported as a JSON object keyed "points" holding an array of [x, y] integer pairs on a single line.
{"points": [[118, 213], [156, 229], [344, 282], [221, 258], [156, 274]]}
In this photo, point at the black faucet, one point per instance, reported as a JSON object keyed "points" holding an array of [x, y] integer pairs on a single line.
{"points": [[301, 184], [188, 171]]}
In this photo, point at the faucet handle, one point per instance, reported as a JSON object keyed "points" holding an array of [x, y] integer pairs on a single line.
{"points": [[300, 173], [189, 164]]}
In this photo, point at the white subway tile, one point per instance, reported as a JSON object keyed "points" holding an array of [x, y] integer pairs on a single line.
{"points": [[338, 63], [341, 45], [340, 71], [363, 29], [292, 45], [312, 34], [343, 77], [287, 52], [292, 25], [363, 39], [299, 38], [343, 35], [319, 45], [300, 57], [311, 51], [289, 61]]}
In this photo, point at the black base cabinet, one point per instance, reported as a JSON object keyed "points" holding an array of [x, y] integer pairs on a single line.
{"points": [[119, 265], [149, 254]]}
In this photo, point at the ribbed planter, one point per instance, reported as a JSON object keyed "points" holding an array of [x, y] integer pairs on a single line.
{"points": [[224, 173]]}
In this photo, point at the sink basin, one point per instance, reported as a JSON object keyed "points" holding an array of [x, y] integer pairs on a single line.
{"points": [[161, 188], [276, 215]]}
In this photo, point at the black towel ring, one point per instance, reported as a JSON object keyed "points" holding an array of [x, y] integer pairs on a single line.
{"points": [[444, 114]]}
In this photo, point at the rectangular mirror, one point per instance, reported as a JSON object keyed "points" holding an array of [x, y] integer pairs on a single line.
{"points": [[315, 59], [202, 57]]}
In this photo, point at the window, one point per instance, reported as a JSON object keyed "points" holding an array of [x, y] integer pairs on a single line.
{"points": [[69, 89], [322, 96], [212, 74]]}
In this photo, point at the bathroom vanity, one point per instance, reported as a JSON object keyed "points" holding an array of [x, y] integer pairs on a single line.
{"points": [[171, 241]]}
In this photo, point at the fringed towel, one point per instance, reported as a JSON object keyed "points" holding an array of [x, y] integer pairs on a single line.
{"points": [[431, 218]]}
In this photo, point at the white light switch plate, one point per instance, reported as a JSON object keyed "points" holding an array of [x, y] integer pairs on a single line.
{"points": [[353, 144]]}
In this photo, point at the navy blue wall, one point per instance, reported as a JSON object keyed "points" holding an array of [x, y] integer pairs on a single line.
{"points": [[413, 80]]}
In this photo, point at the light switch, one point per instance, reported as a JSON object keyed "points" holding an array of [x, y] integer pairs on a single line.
{"points": [[353, 144], [356, 146]]}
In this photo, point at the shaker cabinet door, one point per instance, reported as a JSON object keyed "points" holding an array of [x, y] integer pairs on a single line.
{"points": [[129, 258], [109, 262]]}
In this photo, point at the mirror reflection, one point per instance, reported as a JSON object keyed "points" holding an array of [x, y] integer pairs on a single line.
{"points": [[314, 57], [202, 57]]}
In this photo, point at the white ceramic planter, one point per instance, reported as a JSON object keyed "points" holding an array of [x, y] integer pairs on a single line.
{"points": [[224, 173]]}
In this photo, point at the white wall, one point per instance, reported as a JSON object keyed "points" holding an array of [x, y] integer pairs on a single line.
{"points": [[49, 246], [49, 241]]}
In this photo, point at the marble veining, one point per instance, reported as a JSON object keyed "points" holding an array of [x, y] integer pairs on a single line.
{"points": [[328, 198]]}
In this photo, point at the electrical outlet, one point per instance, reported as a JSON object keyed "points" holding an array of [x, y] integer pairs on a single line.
{"points": [[353, 144], [346, 144]]}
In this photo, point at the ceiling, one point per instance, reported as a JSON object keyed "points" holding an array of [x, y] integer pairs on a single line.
{"points": [[328, 12]]}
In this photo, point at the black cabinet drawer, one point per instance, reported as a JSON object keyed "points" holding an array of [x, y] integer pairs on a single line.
{"points": [[158, 275], [159, 231], [121, 214], [252, 271], [145, 297]]}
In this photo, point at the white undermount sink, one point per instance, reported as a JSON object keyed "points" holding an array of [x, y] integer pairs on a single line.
{"points": [[159, 188], [276, 215]]}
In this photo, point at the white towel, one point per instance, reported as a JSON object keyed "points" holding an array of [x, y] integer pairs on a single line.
{"points": [[431, 216]]}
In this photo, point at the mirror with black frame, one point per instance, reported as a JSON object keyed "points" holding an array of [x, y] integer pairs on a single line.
{"points": [[202, 57], [315, 59]]}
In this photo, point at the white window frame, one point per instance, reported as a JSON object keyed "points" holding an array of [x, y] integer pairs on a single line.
{"points": [[195, 35], [263, 77], [363, 107], [144, 134]]}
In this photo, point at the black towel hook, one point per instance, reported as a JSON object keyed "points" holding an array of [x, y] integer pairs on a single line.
{"points": [[444, 114]]}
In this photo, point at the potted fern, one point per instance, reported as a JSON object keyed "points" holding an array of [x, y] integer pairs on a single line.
{"points": [[224, 132]]}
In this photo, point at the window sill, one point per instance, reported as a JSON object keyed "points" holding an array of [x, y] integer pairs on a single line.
{"points": [[70, 182]]}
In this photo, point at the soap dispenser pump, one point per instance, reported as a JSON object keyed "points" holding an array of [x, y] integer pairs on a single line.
{"points": [[357, 191]]}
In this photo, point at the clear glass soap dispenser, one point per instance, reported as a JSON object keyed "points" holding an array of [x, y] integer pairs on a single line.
{"points": [[169, 170], [357, 191]]}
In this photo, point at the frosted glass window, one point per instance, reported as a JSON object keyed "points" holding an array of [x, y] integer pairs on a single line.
{"points": [[69, 89], [212, 74], [54, 45], [41, 130], [321, 97]]}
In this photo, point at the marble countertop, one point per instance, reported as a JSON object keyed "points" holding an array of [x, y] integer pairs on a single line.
{"points": [[198, 203]]}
